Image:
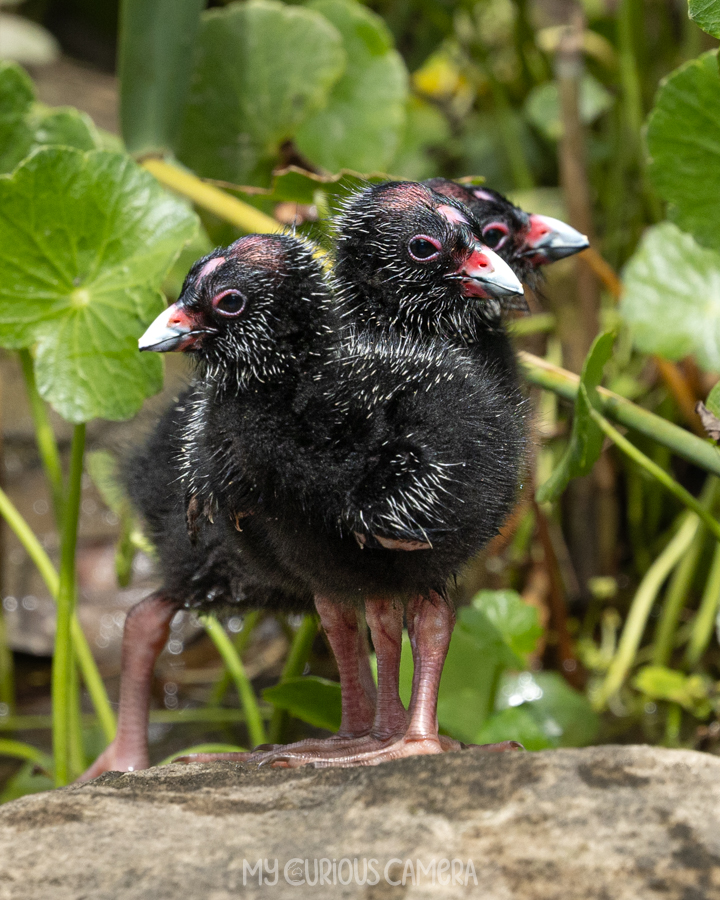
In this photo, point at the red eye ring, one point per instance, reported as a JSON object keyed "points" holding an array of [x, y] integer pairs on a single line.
{"points": [[423, 248], [229, 303], [498, 238]]}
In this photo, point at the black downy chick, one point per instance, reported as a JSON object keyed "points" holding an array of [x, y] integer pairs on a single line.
{"points": [[524, 240], [372, 471], [407, 266]]}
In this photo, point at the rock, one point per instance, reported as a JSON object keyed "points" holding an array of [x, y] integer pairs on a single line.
{"points": [[612, 823]]}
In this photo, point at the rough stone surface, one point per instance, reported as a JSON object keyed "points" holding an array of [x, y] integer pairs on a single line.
{"points": [[613, 823]]}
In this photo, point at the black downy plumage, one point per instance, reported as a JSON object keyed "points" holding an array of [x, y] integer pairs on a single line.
{"points": [[315, 465]]}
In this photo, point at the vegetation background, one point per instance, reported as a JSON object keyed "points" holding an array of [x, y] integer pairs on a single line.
{"points": [[594, 616]]}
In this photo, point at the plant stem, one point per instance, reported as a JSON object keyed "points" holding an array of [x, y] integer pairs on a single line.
{"points": [[658, 473], [204, 715], [294, 666], [62, 657], [230, 657], [221, 204], [673, 723], [45, 436], [680, 584], [565, 384], [21, 750], [240, 643], [90, 674], [640, 610], [532, 324], [76, 755], [702, 628]]}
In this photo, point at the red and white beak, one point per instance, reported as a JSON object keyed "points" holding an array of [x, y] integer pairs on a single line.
{"points": [[172, 330], [485, 274], [549, 239]]}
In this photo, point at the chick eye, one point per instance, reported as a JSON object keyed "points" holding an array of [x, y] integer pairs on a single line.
{"points": [[495, 235], [229, 303], [423, 248]]}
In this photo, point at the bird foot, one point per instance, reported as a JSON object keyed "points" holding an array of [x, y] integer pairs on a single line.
{"points": [[113, 759], [345, 751], [371, 751]]}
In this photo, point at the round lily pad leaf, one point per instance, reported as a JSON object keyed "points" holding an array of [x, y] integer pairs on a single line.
{"points": [[85, 241], [684, 142], [16, 99], [361, 125], [26, 125], [672, 297], [261, 69]]}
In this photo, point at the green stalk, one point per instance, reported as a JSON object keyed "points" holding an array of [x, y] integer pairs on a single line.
{"points": [[565, 384], [21, 750], [42, 562], [45, 436], [230, 657], [240, 643], [62, 657], [7, 687], [704, 623], [673, 724], [679, 586], [76, 754], [657, 472], [632, 95], [294, 666], [640, 610], [204, 715], [540, 322]]}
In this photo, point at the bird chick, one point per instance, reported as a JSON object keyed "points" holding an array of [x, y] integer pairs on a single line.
{"points": [[524, 240]]}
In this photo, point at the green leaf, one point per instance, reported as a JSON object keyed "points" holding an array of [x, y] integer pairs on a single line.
{"points": [[63, 126], [563, 715], [261, 69], [478, 654], [706, 14], [26, 125], [360, 126], [295, 185], [713, 400], [157, 38], [516, 620], [690, 691], [309, 698], [586, 439], [26, 781], [542, 105], [671, 300], [16, 98], [85, 241], [514, 724], [683, 138]]}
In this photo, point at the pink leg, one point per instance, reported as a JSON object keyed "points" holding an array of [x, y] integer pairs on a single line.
{"points": [[146, 631], [385, 619], [349, 644], [430, 624], [348, 641]]}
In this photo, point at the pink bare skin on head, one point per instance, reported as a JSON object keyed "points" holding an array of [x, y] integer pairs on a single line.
{"points": [[210, 266], [452, 215], [484, 195]]}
